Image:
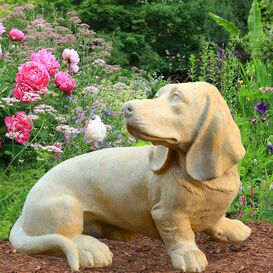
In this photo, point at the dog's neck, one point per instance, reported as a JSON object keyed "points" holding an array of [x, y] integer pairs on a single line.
{"points": [[179, 163]]}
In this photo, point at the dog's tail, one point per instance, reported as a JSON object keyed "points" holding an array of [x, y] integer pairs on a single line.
{"points": [[39, 244]]}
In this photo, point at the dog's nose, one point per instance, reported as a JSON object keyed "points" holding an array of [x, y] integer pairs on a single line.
{"points": [[128, 109]]}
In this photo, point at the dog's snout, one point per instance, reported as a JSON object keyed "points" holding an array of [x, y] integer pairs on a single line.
{"points": [[128, 109]]}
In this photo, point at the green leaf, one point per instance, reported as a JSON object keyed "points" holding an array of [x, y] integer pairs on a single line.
{"points": [[45, 155], [247, 92], [227, 25], [254, 21]]}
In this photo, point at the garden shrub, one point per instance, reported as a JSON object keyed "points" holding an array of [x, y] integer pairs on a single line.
{"points": [[140, 29]]}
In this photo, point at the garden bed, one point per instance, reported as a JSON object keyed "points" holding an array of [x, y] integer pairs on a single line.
{"points": [[148, 255]]}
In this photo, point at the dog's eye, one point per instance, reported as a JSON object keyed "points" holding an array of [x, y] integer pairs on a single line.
{"points": [[176, 97]]}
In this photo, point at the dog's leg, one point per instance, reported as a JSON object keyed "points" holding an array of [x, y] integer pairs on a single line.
{"points": [[46, 226], [51, 243], [92, 252], [63, 216], [228, 231], [179, 240]]}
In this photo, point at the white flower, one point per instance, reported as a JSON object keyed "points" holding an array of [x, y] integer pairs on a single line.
{"points": [[65, 129], [95, 130], [44, 108], [33, 116], [71, 56]]}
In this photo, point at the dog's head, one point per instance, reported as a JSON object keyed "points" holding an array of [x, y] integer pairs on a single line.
{"points": [[191, 118]]}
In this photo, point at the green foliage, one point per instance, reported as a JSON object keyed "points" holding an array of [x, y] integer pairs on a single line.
{"points": [[227, 25], [255, 26], [14, 188], [220, 67], [255, 41], [140, 29], [143, 31]]}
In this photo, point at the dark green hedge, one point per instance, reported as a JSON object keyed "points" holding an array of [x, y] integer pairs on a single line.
{"points": [[142, 31]]}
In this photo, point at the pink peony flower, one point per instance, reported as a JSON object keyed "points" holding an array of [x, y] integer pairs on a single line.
{"points": [[17, 35], [71, 56], [33, 74], [19, 127], [1, 144], [20, 90], [2, 29], [74, 68], [65, 82], [47, 59]]}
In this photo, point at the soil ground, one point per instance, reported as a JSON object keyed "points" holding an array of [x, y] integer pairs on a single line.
{"points": [[146, 255]]}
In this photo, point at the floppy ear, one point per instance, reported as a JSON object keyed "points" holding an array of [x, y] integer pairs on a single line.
{"points": [[217, 146], [159, 157]]}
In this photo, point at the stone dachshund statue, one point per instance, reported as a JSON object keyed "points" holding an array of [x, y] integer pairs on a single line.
{"points": [[183, 183]]}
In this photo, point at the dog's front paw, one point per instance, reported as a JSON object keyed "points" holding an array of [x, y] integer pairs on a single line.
{"points": [[92, 252], [193, 260], [229, 231]]}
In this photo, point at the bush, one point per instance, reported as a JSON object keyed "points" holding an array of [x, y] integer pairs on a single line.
{"points": [[148, 28]]}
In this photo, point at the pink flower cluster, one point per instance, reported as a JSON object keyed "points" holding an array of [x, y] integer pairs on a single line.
{"points": [[32, 80], [34, 76], [19, 127]]}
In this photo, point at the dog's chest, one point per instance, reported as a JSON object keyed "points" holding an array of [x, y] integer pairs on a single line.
{"points": [[206, 202]]}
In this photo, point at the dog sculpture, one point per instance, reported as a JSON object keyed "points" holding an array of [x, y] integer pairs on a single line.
{"points": [[183, 183]]}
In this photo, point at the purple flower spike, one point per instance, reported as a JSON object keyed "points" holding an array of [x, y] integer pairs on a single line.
{"points": [[71, 99], [270, 147], [261, 107], [236, 53], [220, 53]]}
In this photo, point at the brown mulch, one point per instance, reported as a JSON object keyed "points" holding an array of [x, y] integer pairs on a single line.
{"points": [[146, 255]]}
